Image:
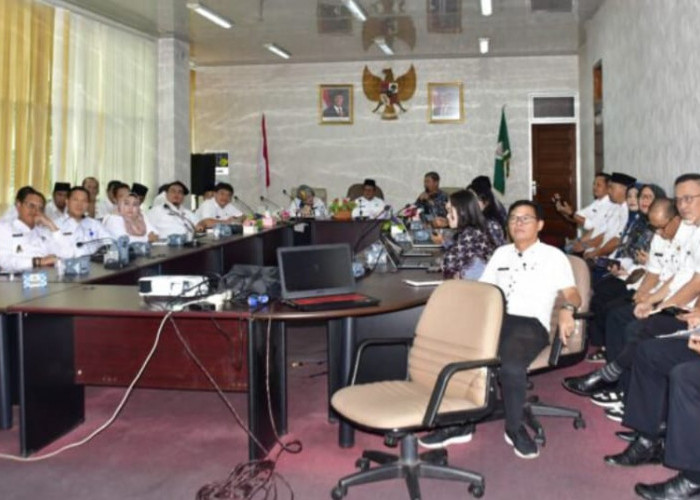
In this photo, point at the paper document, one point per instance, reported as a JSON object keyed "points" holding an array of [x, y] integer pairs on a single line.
{"points": [[423, 283]]}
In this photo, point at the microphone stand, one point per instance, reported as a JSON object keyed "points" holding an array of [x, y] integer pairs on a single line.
{"points": [[270, 202], [244, 205]]}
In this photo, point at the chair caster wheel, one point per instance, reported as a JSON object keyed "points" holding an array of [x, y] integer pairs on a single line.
{"points": [[579, 423], [362, 463], [476, 491], [338, 492]]}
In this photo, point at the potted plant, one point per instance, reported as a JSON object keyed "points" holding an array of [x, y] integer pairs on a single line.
{"points": [[341, 208]]}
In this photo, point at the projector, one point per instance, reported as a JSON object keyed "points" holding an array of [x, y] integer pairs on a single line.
{"points": [[173, 286]]}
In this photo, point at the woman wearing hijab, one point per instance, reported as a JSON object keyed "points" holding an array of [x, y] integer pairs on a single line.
{"points": [[130, 221]]}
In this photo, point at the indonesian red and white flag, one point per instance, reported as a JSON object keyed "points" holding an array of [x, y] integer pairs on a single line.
{"points": [[263, 160]]}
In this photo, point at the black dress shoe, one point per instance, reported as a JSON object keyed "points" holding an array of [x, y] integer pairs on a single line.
{"points": [[641, 451], [676, 488], [586, 385], [627, 436]]}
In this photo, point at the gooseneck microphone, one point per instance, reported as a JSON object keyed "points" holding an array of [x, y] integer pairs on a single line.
{"points": [[375, 221], [284, 192], [190, 226], [244, 205], [268, 201]]}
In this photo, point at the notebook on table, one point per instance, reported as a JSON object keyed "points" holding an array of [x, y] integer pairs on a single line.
{"points": [[319, 278]]}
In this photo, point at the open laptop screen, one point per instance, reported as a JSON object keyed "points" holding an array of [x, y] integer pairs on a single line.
{"points": [[310, 271]]}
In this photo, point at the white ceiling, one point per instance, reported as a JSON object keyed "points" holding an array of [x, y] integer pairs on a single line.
{"points": [[324, 31]]}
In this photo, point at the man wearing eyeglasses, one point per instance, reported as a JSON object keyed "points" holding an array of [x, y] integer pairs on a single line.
{"points": [[530, 274], [31, 240]]}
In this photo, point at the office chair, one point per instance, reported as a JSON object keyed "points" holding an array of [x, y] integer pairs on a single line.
{"points": [[450, 381], [321, 193], [573, 353], [355, 191]]}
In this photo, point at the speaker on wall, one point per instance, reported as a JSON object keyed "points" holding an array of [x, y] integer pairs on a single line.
{"points": [[203, 172]]}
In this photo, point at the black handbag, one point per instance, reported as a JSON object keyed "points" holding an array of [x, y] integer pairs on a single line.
{"points": [[245, 280]]}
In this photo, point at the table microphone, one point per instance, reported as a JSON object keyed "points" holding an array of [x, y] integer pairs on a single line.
{"points": [[284, 192], [375, 221], [244, 205], [268, 201], [117, 256]]}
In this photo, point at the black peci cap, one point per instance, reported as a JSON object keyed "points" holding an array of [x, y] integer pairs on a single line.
{"points": [[61, 186], [624, 179], [139, 189]]}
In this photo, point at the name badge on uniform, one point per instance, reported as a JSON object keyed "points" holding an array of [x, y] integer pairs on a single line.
{"points": [[67, 234], [503, 269], [17, 235]]}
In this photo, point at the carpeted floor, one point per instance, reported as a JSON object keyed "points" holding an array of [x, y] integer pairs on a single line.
{"points": [[168, 444]]}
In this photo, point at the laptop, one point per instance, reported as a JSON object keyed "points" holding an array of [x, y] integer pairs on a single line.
{"points": [[319, 278], [402, 261], [422, 244]]}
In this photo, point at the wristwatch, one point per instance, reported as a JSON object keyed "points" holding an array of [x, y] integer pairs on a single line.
{"points": [[569, 307]]}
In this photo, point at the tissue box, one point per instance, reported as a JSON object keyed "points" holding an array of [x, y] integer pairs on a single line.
{"points": [[35, 279]]}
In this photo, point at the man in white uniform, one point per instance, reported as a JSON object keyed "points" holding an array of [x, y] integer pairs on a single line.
{"points": [[76, 227], [219, 209], [530, 274], [171, 217], [56, 208], [589, 216], [369, 206], [31, 240]]}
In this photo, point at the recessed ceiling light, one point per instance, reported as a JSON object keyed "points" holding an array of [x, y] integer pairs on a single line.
{"points": [[383, 46], [483, 45], [486, 8], [214, 17], [356, 9], [275, 49]]}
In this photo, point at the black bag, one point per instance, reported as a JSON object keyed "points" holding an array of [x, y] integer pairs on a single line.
{"points": [[245, 280]]}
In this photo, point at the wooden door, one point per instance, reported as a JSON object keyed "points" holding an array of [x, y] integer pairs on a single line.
{"points": [[554, 171]]}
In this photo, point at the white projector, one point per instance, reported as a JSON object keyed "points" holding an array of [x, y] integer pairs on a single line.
{"points": [[173, 286]]}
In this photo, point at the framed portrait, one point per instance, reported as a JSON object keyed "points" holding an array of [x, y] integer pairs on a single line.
{"points": [[335, 106], [445, 103], [332, 17], [444, 16]]}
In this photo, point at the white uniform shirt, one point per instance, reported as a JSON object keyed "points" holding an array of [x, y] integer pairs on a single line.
{"points": [[594, 212], [370, 208], [684, 257], [103, 208], [210, 209], [53, 213], [320, 211], [530, 280], [614, 220], [169, 220], [672, 258], [82, 231], [10, 214], [159, 200], [114, 224], [19, 244]]}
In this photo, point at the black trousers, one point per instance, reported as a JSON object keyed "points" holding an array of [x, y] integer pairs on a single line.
{"points": [[522, 339], [609, 293], [665, 386]]}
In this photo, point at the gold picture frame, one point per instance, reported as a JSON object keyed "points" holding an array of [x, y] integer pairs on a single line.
{"points": [[445, 102], [444, 16], [335, 104]]}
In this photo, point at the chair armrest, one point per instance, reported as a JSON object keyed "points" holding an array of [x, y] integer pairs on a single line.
{"points": [[444, 378], [407, 341]]}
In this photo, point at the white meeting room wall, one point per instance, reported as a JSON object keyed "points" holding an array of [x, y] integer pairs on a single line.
{"points": [[229, 102]]}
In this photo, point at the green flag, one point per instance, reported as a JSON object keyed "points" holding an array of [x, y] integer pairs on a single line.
{"points": [[501, 168]]}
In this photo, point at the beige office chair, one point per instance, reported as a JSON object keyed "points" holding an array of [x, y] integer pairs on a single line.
{"points": [[450, 381], [355, 191], [321, 193], [451, 189], [574, 352]]}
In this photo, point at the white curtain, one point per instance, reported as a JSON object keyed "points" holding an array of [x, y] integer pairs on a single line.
{"points": [[104, 103]]}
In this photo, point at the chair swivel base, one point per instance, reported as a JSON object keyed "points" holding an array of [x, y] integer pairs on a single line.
{"points": [[410, 466]]}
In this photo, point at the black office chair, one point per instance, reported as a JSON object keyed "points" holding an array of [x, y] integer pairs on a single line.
{"points": [[450, 381]]}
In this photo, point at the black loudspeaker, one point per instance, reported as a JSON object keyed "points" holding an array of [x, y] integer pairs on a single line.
{"points": [[203, 172]]}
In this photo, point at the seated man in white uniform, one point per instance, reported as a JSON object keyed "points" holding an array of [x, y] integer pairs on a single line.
{"points": [[589, 216], [31, 240], [369, 205], [172, 217], [130, 221], [530, 274], [56, 208], [219, 209], [79, 228], [306, 205]]}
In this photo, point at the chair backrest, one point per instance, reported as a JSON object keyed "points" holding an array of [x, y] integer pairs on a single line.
{"points": [[460, 322], [577, 341], [321, 193], [451, 189], [355, 191]]}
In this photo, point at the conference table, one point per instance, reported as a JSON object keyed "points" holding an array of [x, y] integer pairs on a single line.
{"points": [[97, 331]]}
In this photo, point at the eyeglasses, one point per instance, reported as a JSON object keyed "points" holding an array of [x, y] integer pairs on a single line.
{"points": [[521, 219], [682, 200], [33, 206]]}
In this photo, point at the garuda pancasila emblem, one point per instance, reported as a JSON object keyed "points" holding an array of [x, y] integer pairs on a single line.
{"points": [[389, 92]]}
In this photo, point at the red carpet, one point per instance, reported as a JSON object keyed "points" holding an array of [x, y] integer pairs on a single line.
{"points": [[167, 444]]}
